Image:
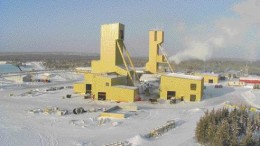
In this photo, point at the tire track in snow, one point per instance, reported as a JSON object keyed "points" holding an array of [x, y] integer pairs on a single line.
{"points": [[49, 140]]}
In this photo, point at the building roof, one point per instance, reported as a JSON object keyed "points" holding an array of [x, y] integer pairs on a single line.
{"points": [[112, 76], [208, 74], [126, 87], [184, 76], [149, 77], [84, 68], [249, 78]]}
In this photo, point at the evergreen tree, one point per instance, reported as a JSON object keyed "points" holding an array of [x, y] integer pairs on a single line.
{"points": [[228, 128]]}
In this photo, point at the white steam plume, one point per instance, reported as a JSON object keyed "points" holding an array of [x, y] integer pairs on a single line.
{"points": [[228, 33]]}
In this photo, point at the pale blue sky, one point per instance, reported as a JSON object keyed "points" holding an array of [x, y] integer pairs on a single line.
{"points": [[74, 25]]}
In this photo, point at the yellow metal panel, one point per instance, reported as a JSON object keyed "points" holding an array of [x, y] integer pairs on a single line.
{"points": [[109, 51], [113, 115], [121, 94], [88, 77], [79, 88]]}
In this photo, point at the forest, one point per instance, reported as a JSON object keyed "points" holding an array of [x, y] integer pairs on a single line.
{"points": [[225, 127]]}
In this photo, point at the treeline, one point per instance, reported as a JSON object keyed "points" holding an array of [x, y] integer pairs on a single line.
{"points": [[237, 127], [59, 61], [65, 60], [51, 61], [218, 65]]}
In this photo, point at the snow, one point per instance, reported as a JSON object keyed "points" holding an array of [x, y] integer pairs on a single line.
{"points": [[126, 87], [185, 76], [83, 68], [18, 127], [209, 74], [149, 77], [250, 78], [252, 97], [36, 65], [137, 140]]}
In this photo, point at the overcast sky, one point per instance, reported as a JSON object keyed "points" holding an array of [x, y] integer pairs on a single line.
{"points": [[199, 29]]}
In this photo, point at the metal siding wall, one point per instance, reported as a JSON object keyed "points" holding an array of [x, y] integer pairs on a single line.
{"points": [[181, 86], [79, 88], [121, 94], [112, 93]]}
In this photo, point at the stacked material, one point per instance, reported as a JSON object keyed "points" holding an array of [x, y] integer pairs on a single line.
{"points": [[162, 129], [49, 110]]}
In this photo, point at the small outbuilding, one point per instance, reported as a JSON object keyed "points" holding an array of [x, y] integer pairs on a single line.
{"points": [[27, 78], [209, 78], [180, 86]]}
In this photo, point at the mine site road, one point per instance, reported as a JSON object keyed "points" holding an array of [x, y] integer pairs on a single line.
{"points": [[23, 87], [34, 72]]}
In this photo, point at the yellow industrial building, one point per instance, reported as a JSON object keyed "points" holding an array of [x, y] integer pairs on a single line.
{"points": [[186, 87], [209, 78], [180, 86], [157, 62], [111, 77]]}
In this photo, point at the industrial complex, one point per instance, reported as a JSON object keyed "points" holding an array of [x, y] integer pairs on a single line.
{"points": [[154, 102], [130, 73], [114, 76]]}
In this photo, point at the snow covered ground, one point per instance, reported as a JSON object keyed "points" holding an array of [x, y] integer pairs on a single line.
{"points": [[36, 65], [253, 97], [18, 127]]}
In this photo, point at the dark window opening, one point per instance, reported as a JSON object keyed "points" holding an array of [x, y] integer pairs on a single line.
{"points": [[192, 97], [210, 80], [101, 95], [193, 86], [170, 94], [88, 88]]}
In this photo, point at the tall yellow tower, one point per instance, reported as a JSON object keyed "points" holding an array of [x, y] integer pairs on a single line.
{"points": [[110, 56], [113, 75], [112, 51], [156, 39]]}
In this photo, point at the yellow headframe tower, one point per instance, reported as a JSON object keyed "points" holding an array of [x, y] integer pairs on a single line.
{"points": [[112, 76], [156, 38], [112, 52], [110, 56]]}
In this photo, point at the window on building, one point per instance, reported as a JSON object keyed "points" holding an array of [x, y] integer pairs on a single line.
{"points": [[210, 80], [192, 97], [107, 84], [193, 86], [170, 94], [88, 88], [101, 95]]}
